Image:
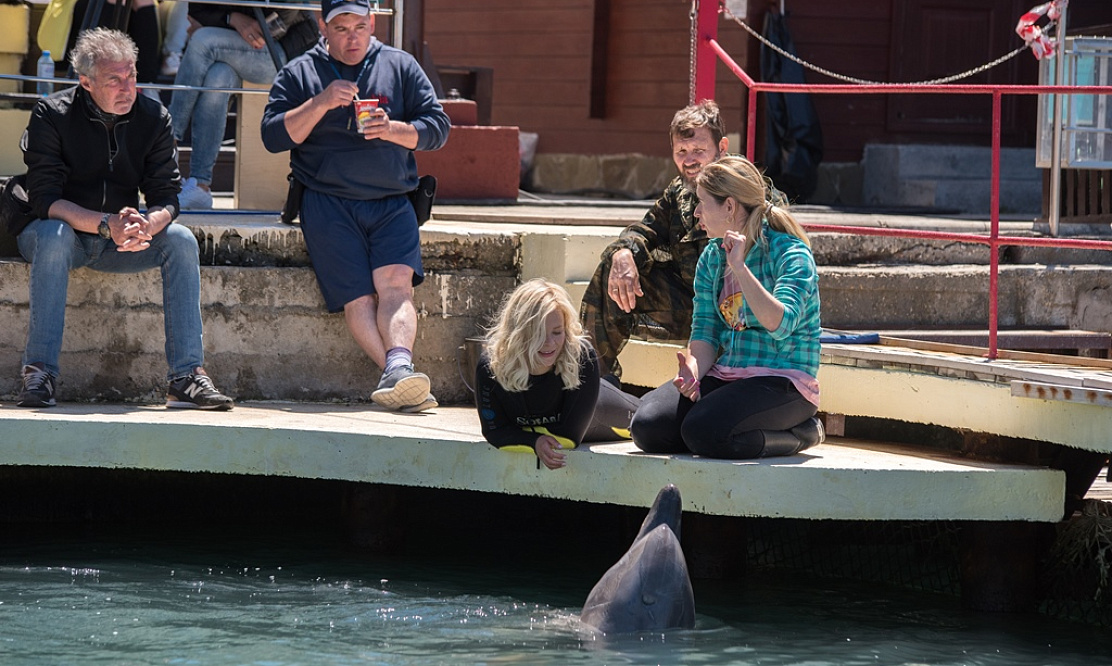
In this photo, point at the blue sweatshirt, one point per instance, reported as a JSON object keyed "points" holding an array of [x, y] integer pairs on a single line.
{"points": [[335, 159]]}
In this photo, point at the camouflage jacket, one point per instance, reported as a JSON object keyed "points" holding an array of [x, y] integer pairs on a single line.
{"points": [[668, 237]]}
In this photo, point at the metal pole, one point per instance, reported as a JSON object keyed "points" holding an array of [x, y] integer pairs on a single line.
{"points": [[399, 22], [1056, 116], [994, 235], [706, 28]]}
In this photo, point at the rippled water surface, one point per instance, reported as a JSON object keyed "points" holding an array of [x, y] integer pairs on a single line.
{"points": [[283, 599]]}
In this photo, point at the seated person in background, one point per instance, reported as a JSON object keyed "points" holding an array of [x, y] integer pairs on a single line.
{"points": [[142, 27], [649, 269], [746, 385], [537, 384], [227, 49], [89, 151]]}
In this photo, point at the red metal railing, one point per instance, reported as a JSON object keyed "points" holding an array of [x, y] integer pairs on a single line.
{"points": [[708, 51]]}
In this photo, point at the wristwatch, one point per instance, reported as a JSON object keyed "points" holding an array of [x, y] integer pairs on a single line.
{"points": [[103, 229]]}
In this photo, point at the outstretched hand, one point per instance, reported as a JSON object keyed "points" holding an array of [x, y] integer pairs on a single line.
{"points": [[687, 377], [550, 452], [624, 283]]}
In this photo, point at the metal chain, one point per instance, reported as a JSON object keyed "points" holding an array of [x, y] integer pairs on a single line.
{"points": [[850, 79], [691, 74]]}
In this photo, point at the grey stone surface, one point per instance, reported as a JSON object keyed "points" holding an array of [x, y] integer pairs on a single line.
{"points": [[267, 335], [625, 176], [950, 177]]}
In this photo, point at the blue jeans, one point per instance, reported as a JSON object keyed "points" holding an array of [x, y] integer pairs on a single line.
{"points": [[54, 249], [213, 58]]}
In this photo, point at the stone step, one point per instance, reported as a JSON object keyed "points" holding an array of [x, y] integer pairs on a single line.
{"points": [[944, 162], [951, 178]]}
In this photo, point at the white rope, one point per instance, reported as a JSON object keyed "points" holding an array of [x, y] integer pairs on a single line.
{"points": [[851, 79]]}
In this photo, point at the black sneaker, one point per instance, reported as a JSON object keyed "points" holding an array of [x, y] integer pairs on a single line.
{"points": [[196, 392], [38, 388], [402, 387]]}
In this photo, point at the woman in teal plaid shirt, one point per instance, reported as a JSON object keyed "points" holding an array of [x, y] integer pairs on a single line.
{"points": [[746, 385]]}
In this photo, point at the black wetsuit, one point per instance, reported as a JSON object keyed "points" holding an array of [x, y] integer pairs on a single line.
{"points": [[507, 418]]}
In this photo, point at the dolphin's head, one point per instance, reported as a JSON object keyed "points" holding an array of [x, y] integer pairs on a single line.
{"points": [[649, 588]]}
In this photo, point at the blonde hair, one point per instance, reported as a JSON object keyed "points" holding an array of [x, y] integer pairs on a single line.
{"points": [[734, 177], [519, 332]]}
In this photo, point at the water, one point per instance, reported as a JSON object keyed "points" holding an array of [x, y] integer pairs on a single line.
{"points": [[279, 597]]}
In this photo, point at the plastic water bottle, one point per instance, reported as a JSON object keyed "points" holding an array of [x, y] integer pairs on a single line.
{"points": [[45, 70]]}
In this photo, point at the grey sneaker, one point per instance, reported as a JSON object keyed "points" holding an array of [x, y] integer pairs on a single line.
{"points": [[430, 403], [403, 387], [192, 197], [38, 388], [196, 392]]}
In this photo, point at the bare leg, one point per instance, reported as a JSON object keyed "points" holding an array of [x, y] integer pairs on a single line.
{"points": [[361, 316], [397, 318]]}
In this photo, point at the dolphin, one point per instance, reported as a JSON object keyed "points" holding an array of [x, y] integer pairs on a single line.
{"points": [[648, 589]]}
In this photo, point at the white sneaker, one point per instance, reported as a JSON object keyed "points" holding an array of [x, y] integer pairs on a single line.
{"points": [[171, 64], [193, 197]]}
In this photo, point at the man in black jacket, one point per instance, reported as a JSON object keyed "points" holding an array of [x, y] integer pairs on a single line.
{"points": [[89, 151]]}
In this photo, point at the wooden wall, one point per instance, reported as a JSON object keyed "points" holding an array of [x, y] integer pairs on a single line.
{"points": [[542, 54]]}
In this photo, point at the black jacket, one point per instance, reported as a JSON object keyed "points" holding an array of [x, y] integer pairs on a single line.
{"points": [[68, 153]]}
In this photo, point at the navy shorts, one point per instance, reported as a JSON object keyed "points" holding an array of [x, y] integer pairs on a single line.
{"points": [[349, 238]]}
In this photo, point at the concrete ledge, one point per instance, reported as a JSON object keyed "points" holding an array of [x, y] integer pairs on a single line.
{"points": [[1070, 406], [967, 392], [846, 480]]}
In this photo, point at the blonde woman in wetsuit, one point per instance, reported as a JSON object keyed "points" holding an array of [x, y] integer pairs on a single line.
{"points": [[537, 384]]}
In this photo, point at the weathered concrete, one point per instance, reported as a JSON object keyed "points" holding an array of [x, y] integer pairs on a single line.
{"points": [[1030, 296], [266, 331], [954, 177], [267, 335], [846, 479]]}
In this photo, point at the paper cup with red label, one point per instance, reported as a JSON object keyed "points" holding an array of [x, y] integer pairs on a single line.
{"points": [[364, 111]]}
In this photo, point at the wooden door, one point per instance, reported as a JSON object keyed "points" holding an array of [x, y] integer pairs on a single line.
{"points": [[937, 38]]}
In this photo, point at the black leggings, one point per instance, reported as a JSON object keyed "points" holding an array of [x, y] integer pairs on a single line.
{"points": [[731, 419], [613, 413]]}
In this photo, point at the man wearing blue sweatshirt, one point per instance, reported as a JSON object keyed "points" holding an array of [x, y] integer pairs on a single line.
{"points": [[359, 227]]}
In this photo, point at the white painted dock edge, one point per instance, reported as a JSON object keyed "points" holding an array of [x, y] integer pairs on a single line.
{"points": [[842, 479]]}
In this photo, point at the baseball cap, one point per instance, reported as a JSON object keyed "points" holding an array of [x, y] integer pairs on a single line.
{"points": [[330, 9]]}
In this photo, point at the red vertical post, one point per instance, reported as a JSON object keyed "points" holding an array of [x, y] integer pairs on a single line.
{"points": [[994, 234], [751, 126], [706, 28]]}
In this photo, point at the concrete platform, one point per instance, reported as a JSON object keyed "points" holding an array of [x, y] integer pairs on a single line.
{"points": [[842, 479], [1029, 396]]}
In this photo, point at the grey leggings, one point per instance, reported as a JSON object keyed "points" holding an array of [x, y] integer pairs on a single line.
{"points": [[731, 419]]}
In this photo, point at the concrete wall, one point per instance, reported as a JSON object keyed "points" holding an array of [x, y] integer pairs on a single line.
{"points": [[267, 335]]}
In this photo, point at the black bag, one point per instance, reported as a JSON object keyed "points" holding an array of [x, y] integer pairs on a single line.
{"points": [[15, 206], [422, 198], [292, 209]]}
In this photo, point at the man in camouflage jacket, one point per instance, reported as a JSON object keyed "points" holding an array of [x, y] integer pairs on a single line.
{"points": [[648, 271]]}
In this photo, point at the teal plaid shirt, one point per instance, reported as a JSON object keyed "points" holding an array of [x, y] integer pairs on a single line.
{"points": [[785, 266]]}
